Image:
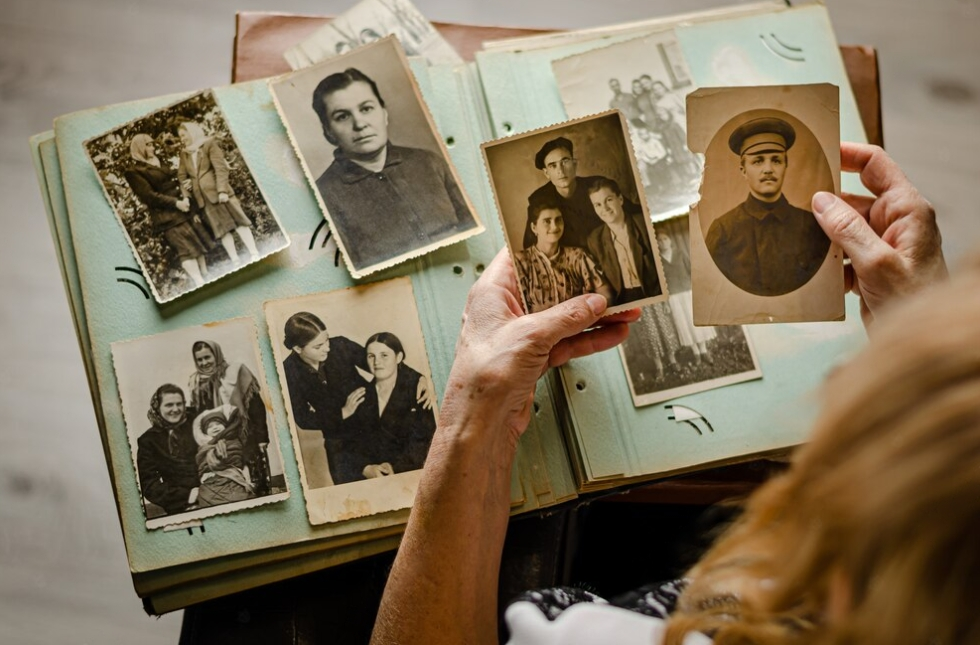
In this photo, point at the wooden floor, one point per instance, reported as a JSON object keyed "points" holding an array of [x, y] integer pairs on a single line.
{"points": [[63, 571]]}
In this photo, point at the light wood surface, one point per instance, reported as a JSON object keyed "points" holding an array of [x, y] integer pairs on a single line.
{"points": [[63, 571]]}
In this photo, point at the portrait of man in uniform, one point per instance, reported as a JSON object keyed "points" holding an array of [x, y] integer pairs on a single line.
{"points": [[765, 245]]}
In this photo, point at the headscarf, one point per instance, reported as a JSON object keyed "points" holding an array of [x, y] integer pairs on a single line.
{"points": [[137, 150], [204, 386], [244, 388], [196, 133], [157, 420]]}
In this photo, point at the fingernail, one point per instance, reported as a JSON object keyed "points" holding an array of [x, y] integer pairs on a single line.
{"points": [[823, 201], [596, 303]]}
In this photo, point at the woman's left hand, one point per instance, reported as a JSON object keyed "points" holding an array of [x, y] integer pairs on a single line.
{"points": [[222, 198]]}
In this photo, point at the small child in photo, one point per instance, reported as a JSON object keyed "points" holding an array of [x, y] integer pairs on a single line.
{"points": [[220, 460]]}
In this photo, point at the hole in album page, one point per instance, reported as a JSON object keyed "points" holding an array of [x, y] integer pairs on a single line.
{"points": [[458, 270], [580, 386]]}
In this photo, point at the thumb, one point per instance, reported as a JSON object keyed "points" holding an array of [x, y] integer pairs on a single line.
{"points": [[846, 228], [565, 319]]}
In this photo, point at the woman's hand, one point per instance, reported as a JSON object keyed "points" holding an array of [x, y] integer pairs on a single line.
{"points": [[354, 401], [502, 352], [222, 198], [892, 239], [183, 205], [443, 585], [425, 394], [373, 471]]}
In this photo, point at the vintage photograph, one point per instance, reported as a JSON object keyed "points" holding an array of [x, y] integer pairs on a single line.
{"points": [[190, 207], [757, 252], [647, 80], [371, 20], [666, 355], [371, 152], [196, 408], [359, 395], [573, 217]]}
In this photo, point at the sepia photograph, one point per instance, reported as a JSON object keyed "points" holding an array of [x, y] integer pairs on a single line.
{"points": [[647, 80], [373, 156], [190, 207], [369, 21], [197, 416], [758, 254], [575, 223], [666, 354], [359, 396]]}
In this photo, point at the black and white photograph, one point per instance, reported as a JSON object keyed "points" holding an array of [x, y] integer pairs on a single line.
{"points": [[190, 207], [758, 254], [666, 354], [647, 80], [196, 408], [368, 21], [359, 396], [575, 221], [373, 156]]}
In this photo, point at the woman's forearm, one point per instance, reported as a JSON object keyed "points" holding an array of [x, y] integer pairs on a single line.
{"points": [[443, 586]]}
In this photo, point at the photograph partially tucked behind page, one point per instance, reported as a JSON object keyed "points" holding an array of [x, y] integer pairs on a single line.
{"points": [[372, 155], [191, 208], [372, 20], [666, 354], [758, 254], [359, 396], [575, 223], [646, 79], [197, 418]]}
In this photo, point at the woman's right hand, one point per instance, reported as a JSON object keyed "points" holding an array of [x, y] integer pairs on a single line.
{"points": [[892, 239], [184, 205], [354, 401]]}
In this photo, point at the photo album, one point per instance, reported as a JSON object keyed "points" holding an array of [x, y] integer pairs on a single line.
{"points": [[266, 278]]}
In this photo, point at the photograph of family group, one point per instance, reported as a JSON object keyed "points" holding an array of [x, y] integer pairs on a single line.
{"points": [[647, 80], [191, 209], [359, 395], [573, 217], [196, 412]]}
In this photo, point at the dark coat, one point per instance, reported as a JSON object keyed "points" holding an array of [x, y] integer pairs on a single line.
{"points": [[402, 433], [768, 249], [603, 250], [317, 398], [167, 467]]}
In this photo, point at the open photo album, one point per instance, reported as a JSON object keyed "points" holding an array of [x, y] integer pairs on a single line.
{"points": [[266, 278]]}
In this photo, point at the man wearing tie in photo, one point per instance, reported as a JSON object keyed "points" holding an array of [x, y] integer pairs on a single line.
{"points": [[765, 245]]}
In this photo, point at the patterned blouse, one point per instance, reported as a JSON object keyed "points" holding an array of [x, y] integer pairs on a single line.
{"points": [[546, 281]]}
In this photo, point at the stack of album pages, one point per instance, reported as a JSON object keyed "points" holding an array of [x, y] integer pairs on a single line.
{"points": [[267, 278]]}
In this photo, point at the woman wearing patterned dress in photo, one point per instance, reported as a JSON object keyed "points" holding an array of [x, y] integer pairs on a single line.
{"points": [[550, 273], [677, 272]]}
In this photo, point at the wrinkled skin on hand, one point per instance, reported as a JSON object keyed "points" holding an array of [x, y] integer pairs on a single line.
{"points": [[892, 238]]}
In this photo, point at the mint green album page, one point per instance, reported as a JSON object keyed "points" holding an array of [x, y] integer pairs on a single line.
{"points": [[115, 311], [615, 439]]}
